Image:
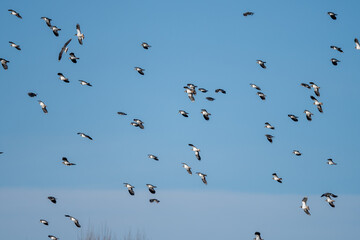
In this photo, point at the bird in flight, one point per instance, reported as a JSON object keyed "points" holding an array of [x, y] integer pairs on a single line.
{"points": [[151, 156], [316, 88], [190, 92], [317, 103], [205, 114], [138, 123], [269, 137], [308, 115], [151, 188], [203, 90], [47, 21], [43, 221], [261, 63], [73, 58], [13, 12], [64, 49], [297, 153], [80, 36], [257, 236], [154, 200], [203, 177], [84, 135], [334, 61], [63, 78], [43, 106], [84, 83], [196, 150], [130, 188], [248, 14], [268, 125], [328, 198], [255, 86], [76, 222], [219, 90], [66, 162], [357, 44], [4, 63], [140, 70], [187, 167], [336, 48], [210, 99], [145, 45], [293, 117], [331, 162], [261, 95], [276, 178], [52, 237], [122, 113], [305, 85], [184, 113], [14, 45], [52, 199], [305, 207], [55, 30]]}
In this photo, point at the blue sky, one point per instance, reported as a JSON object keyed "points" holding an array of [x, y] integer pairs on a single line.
{"points": [[211, 45]]}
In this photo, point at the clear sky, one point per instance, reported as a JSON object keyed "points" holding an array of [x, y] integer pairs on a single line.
{"points": [[213, 46]]}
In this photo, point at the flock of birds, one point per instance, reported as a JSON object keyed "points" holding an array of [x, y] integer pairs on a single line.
{"points": [[191, 91]]}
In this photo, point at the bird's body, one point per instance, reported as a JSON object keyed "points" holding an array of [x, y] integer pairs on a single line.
{"points": [[154, 200], [305, 207], [47, 21], [297, 153], [84, 83], [203, 177], [255, 86], [334, 61], [43, 106], [191, 92], [332, 15], [331, 162], [187, 167], [293, 117], [196, 150], [268, 126], [257, 236], [52, 237], [84, 135], [52, 199], [13, 12], [31, 94], [308, 115], [80, 36], [4, 63], [43, 221], [138, 123], [269, 137], [205, 114], [261, 63], [219, 90], [130, 188], [203, 90], [14, 45], [63, 78], [329, 199], [55, 30], [66, 162], [261, 95], [276, 178], [122, 113], [151, 156], [73, 58], [145, 45], [210, 99], [245, 14], [316, 88], [151, 188], [76, 222], [305, 85], [357, 44], [336, 48], [184, 113], [317, 103], [140, 70]]}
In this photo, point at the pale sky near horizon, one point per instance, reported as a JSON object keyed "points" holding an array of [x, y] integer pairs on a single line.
{"points": [[212, 46]]}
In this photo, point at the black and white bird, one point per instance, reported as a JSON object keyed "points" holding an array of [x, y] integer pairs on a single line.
{"points": [[357, 44], [55, 30], [261, 95], [329, 199], [210, 99], [63, 78], [334, 61], [66, 162], [276, 178], [308, 115], [4, 63], [191, 92], [84, 135], [84, 83], [138, 123], [269, 137], [151, 156], [317, 103], [205, 114], [332, 15], [316, 88], [122, 113], [261, 63], [184, 113], [196, 151], [151, 188], [145, 45], [297, 152], [154, 200], [268, 125], [13, 12], [305, 85], [140, 70], [187, 167], [219, 90], [293, 117], [52, 237], [43, 106], [43, 221], [31, 94], [257, 236], [14, 45], [305, 207], [80, 36], [203, 90], [202, 176], [76, 222], [47, 21], [64, 49], [331, 162], [255, 86], [130, 188], [73, 58], [52, 199], [336, 48], [248, 14]]}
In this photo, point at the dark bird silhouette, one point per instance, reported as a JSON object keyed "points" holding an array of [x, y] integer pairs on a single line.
{"points": [[64, 49]]}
